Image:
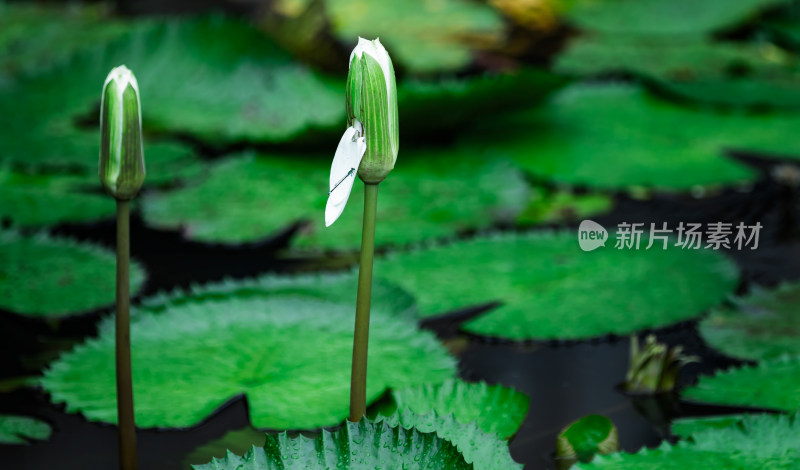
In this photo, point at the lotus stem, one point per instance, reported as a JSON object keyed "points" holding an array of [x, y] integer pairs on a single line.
{"points": [[125, 417], [358, 377]]}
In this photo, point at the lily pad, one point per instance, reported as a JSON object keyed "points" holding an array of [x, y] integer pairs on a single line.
{"points": [[484, 450], [554, 205], [550, 289], [641, 140], [431, 36], [242, 88], [431, 107], [771, 384], [760, 326], [36, 36], [250, 346], [334, 287], [238, 441], [41, 199], [364, 446], [494, 408], [755, 441], [433, 194], [651, 17], [686, 427], [22, 429], [47, 277], [589, 436], [720, 73]]}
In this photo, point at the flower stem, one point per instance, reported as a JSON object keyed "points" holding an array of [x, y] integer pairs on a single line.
{"points": [[358, 377], [127, 427]]}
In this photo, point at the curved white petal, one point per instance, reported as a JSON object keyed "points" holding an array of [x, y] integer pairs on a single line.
{"points": [[343, 173]]}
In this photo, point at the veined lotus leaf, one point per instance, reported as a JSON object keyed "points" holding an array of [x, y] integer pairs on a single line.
{"points": [[365, 445], [771, 384], [641, 140], [762, 325], [423, 37], [22, 429], [494, 408], [47, 277], [433, 194], [550, 289], [289, 355]]}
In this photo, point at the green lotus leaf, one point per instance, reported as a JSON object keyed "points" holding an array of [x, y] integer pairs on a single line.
{"points": [[22, 429], [494, 408], [365, 445], [696, 69], [41, 199], [640, 140], [431, 107], [548, 206], [424, 37], [238, 441], [653, 17], [334, 287], [687, 427], [36, 36], [191, 82], [550, 289], [752, 441], [433, 194], [771, 384], [587, 437], [484, 450], [289, 355], [47, 277], [762, 325]]}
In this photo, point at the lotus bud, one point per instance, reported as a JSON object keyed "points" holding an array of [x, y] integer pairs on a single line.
{"points": [[121, 157], [371, 96]]}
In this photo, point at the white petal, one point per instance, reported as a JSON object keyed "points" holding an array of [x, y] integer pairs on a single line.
{"points": [[343, 173]]}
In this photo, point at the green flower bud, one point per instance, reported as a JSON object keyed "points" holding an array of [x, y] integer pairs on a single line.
{"points": [[121, 157], [372, 108]]}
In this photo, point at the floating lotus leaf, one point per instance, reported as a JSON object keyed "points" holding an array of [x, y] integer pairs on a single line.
{"points": [[289, 355], [697, 68], [653, 17], [771, 384], [242, 88], [41, 199], [641, 140], [550, 289], [433, 194], [364, 445], [36, 36], [494, 408], [752, 441], [47, 277], [588, 436], [238, 441], [547, 206], [687, 427], [423, 37], [762, 325], [22, 429], [485, 451], [334, 287], [431, 107]]}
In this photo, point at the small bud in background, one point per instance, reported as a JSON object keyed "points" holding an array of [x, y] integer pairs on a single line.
{"points": [[654, 368], [372, 108], [121, 157]]}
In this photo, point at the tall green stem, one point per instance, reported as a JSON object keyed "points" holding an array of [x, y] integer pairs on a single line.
{"points": [[358, 377], [127, 427]]}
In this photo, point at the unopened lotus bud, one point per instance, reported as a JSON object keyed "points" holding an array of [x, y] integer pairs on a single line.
{"points": [[372, 108], [121, 156]]}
